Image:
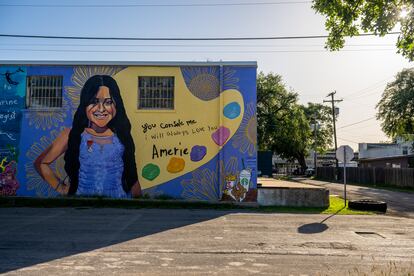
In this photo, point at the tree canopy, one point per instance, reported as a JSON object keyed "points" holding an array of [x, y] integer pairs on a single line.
{"points": [[396, 107], [284, 125], [349, 17], [322, 116]]}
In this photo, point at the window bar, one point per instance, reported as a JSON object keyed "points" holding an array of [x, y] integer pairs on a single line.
{"points": [[48, 91], [148, 95], [45, 79], [39, 92], [169, 92], [54, 92], [42, 94], [151, 104], [147, 92], [164, 94], [58, 91], [35, 91], [140, 92], [162, 101], [144, 96], [157, 95], [172, 93], [29, 92], [151, 99], [32, 91]]}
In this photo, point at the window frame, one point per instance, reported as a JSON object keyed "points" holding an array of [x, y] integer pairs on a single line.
{"points": [[141, 108], [47, 87]]}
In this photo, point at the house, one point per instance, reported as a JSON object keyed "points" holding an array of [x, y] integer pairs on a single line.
{"points": [[393, 155], [192, 124]]}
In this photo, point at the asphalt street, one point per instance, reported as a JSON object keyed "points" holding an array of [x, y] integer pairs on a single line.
{"points": [[70, 241], [398, 203]]}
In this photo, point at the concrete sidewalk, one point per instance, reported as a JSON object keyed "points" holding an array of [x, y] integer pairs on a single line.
{"points": [[69, 241], [271, 182], [399, 203]]}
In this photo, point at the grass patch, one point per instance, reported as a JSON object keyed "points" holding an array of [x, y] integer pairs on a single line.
{"points": [[336, 205], [282, 177]]}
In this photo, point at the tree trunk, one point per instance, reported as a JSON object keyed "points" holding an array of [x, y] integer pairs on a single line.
{"points": [[302, 163]]}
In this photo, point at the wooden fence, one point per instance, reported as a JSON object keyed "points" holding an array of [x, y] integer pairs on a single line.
{"points": [[384, 176]]}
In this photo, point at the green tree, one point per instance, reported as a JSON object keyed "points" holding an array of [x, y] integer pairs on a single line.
{"points": [[274, 105], [321, 115], [349, 17], [396, 107], [282, 124]]}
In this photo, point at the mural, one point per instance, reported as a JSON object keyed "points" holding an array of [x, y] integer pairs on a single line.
{"points": [[79, 77], [98, 148], [101, 144], [34, 181], [12, 101], [43, 119]]}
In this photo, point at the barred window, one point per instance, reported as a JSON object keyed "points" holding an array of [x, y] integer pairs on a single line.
{"points": [[155, 92], [44, 91]]}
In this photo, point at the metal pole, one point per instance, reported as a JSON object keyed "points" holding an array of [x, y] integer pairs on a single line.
{"points": [[345, 176]]}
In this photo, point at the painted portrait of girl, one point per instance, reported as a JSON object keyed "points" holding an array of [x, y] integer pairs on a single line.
{"points": [[99, 151]]}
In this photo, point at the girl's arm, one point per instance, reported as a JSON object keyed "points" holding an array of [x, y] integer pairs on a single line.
{"points": [[54, 151]]}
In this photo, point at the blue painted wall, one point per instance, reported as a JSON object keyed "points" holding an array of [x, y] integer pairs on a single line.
{"points": [[39, 128]]}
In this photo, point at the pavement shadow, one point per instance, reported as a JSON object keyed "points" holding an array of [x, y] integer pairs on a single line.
{"points": [[317, 227], [30, 236], [313, 228]]}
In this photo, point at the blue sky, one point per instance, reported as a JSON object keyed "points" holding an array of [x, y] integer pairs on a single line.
{"points": [[359, 73]]}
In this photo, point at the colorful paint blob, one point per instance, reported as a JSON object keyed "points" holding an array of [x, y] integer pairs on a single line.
{"points": [[198, 153], [221, 135], [150, 171], [232, 110], [175, 165]]}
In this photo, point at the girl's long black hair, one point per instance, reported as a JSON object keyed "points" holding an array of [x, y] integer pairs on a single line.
{"points": [[119, 124]]}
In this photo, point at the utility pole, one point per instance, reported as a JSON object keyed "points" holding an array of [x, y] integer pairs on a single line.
{"points": [[333, 101]]}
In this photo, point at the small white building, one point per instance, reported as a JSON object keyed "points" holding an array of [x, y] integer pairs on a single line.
{"points": [[394, 155]]}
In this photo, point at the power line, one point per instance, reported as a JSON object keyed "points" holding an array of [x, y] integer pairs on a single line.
{"points": [[180, 38], [366, 95], [157, 5], [357, 122], [369, 88], [199, 51], [185, 45]]}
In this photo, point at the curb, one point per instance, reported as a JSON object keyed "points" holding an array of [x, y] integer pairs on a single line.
{"points": [[119, 203]]}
